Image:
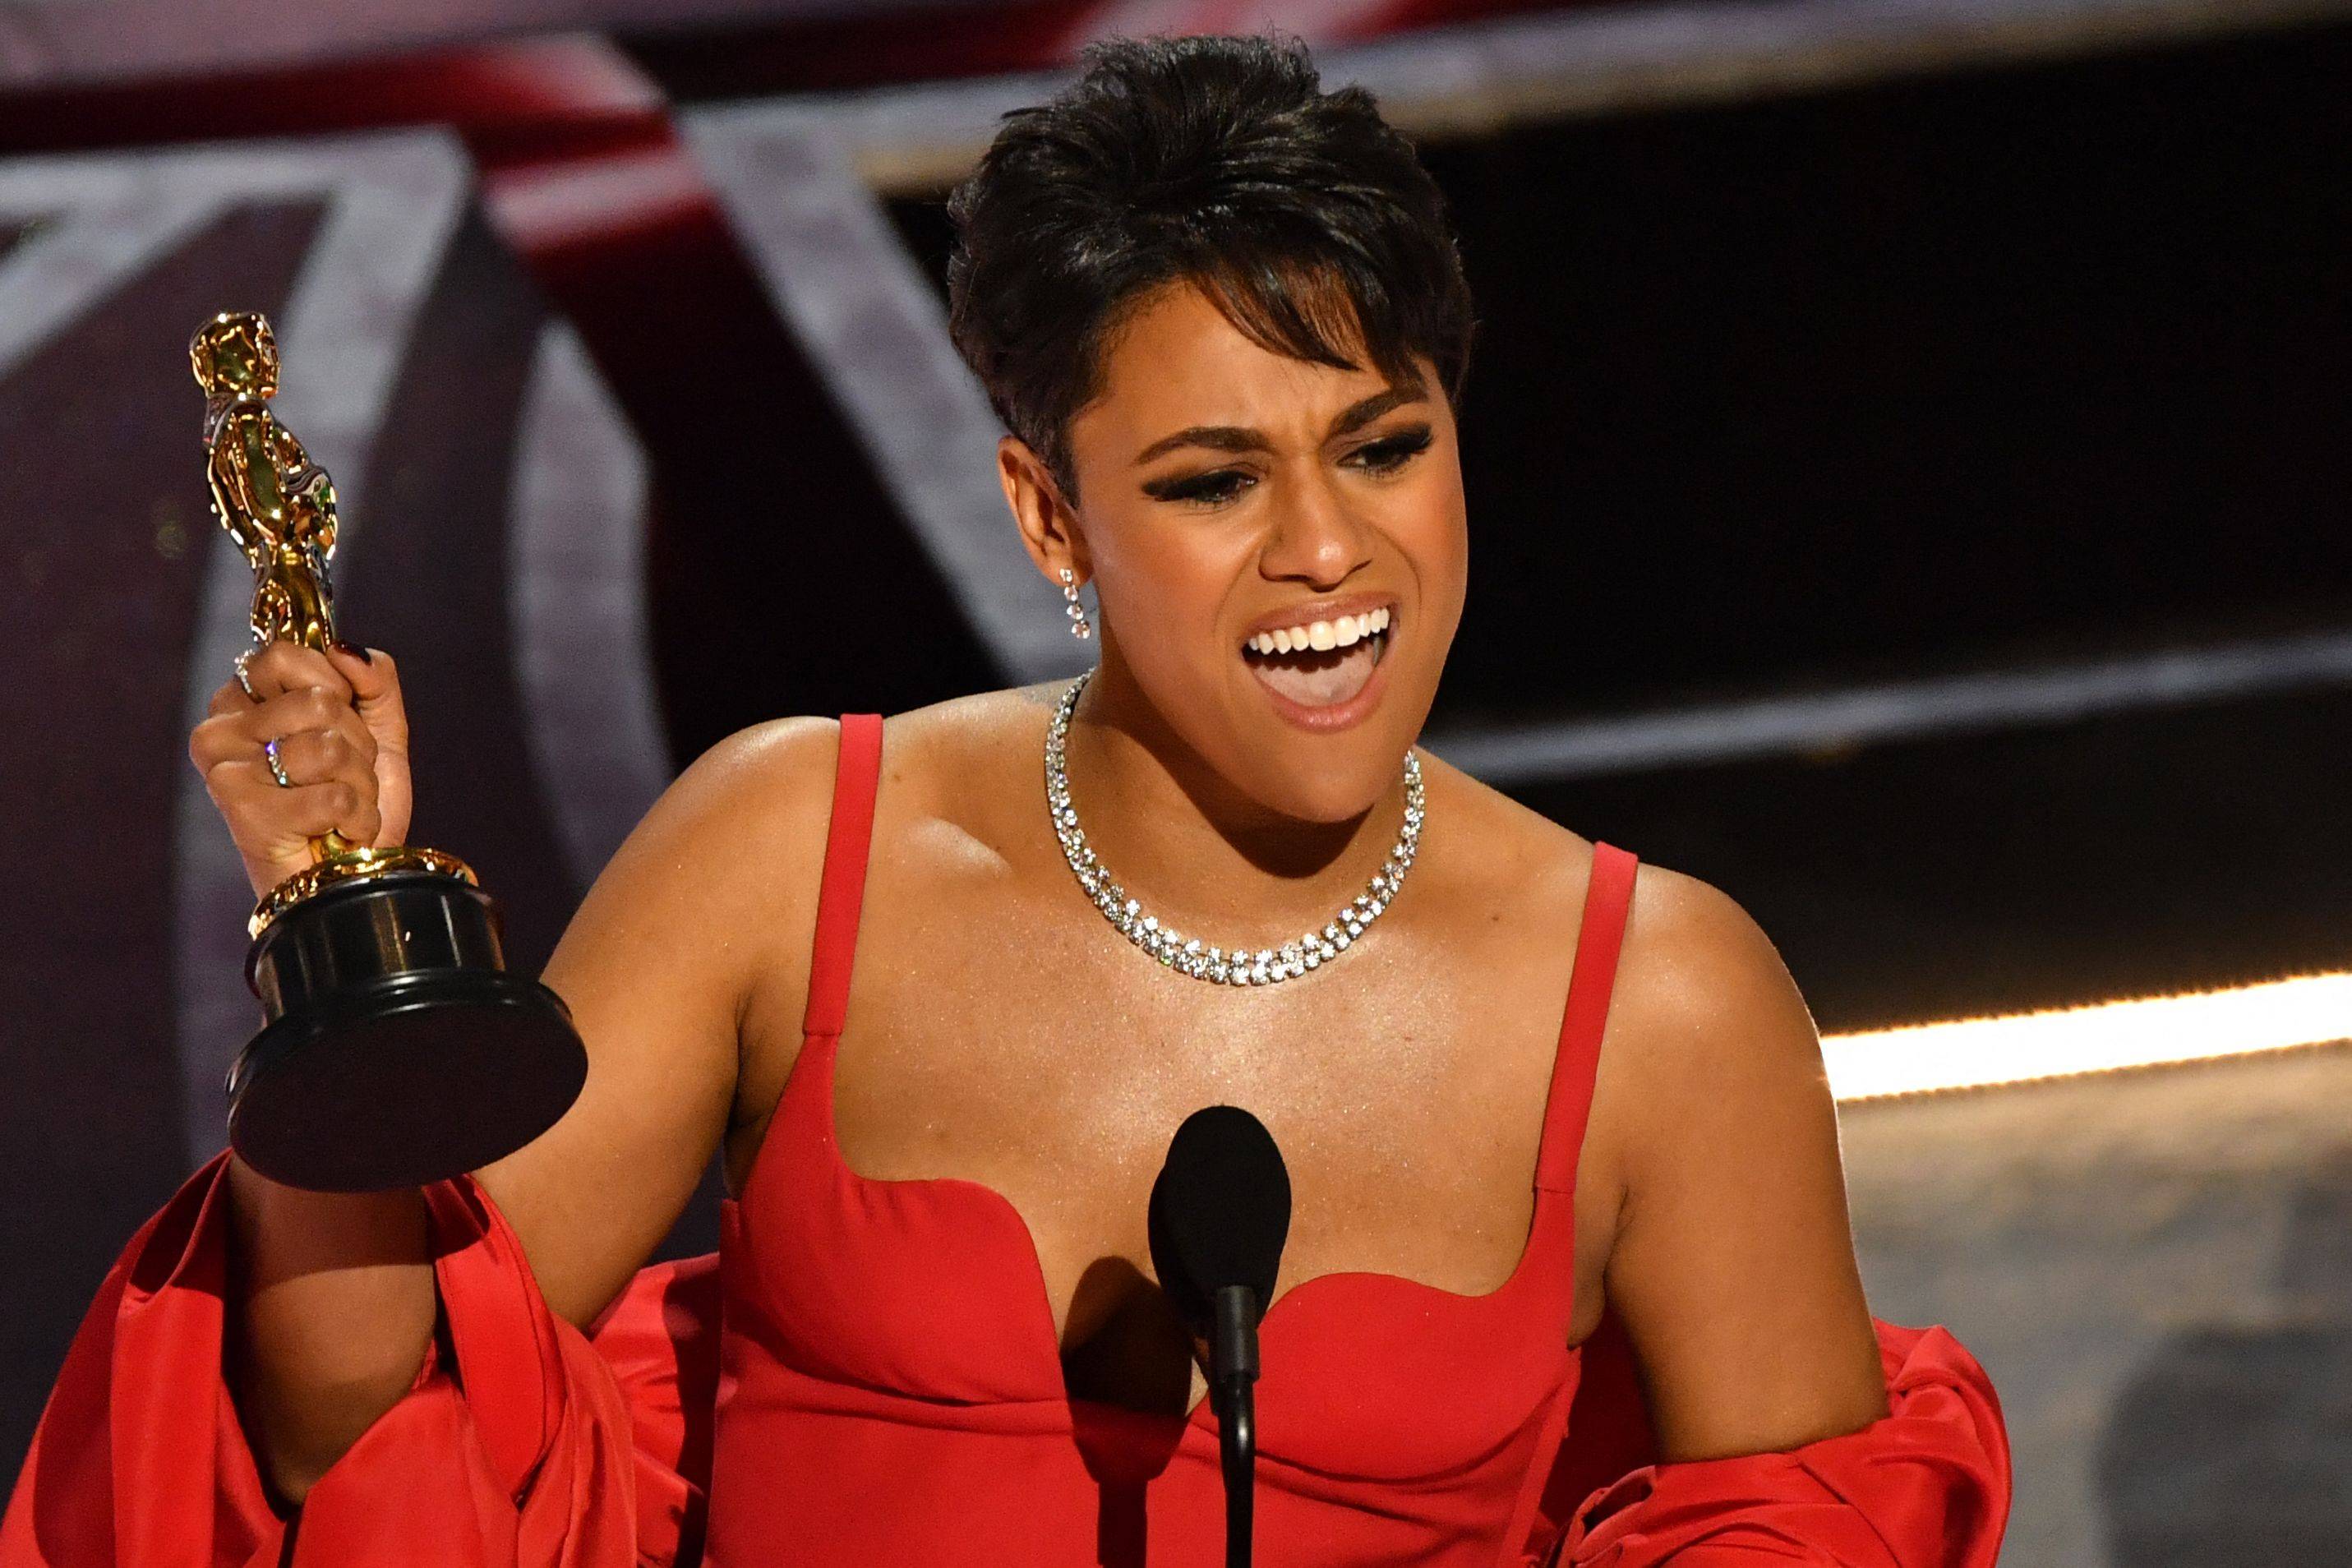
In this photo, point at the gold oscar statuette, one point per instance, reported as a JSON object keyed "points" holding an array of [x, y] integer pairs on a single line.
{"points": [[396, 1048]]}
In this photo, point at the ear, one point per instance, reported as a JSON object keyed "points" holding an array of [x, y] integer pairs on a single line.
{"points": [[1048, 525]]}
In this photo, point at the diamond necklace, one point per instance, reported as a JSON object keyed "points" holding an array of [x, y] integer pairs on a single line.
{"points": [[1189, 955]]}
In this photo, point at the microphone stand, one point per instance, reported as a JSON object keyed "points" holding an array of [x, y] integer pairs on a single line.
{"points": [[1219, 1214], [1232, 1370]]}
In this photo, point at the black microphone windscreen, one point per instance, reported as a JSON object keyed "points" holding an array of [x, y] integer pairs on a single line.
{"points": [[1220, 1211]]}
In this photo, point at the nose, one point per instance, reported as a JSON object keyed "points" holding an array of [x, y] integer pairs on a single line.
{"points": [[1315, 535]]}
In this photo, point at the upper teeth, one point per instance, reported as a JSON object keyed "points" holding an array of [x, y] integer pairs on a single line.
{"points": [[1318, 634]]}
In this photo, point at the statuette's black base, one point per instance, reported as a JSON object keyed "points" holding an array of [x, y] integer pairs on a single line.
{"points": [[398, 1049]]}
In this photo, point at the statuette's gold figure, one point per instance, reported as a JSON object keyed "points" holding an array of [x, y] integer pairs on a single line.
{"points": [[279, 507], [276, 503]]}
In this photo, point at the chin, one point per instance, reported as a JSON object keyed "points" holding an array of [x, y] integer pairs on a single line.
{"points": [[1329, 778]]}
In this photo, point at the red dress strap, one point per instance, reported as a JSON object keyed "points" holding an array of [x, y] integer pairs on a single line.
{"points": [[855, 777], [1600, 934]]}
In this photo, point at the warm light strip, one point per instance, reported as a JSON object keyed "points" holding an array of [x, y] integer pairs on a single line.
{"points": [[1970, 1053]]}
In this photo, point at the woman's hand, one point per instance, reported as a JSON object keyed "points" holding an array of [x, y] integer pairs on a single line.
{"points": [[342, 743]]}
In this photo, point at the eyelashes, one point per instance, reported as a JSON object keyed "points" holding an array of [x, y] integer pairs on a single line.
{"points": [[1212, 489], [1381, 457], [1393, 452]]}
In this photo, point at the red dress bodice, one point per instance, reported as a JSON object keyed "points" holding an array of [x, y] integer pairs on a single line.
{"points": [[890, 1388]]}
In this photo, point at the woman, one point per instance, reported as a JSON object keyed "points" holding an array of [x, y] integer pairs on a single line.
{"points": [[942, 1028]]}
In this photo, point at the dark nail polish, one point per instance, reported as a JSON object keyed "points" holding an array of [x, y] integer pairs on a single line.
{"points": [[358, 653]]}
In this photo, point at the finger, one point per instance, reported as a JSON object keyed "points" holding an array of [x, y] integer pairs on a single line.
{"points": [[293, 713], [296, 813], [342, 755], [228, 700], [376, 691], [222, 737], [317, 756], [347, 738], [290, 667]]}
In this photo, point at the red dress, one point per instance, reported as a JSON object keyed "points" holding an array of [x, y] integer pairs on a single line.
{"points": [[866, 1373]]}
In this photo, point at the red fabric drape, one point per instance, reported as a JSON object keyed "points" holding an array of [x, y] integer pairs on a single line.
{"points": [[1926, 1487], [522, 1441], [527, 1444]]}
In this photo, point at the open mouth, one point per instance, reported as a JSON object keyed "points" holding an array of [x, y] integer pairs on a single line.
{"points": [[1324, 677]]}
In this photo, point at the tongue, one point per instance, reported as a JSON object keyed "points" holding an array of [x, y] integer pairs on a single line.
{"points": [[1318, 680]]}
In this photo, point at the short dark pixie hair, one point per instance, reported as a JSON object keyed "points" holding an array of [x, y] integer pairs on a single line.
{"points": [[1303, 216]]}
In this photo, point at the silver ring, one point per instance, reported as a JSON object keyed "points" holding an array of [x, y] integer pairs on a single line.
{"points": [[242, 679], [277, 769]]}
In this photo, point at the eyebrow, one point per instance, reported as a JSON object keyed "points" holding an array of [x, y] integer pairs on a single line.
{"points": [[1241, 438]]}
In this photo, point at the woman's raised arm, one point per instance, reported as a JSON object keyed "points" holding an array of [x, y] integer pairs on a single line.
{"points": [[336, 1292], [713, 894]]}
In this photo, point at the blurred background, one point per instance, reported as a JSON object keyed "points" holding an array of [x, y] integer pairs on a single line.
{"points": [[1907, 459]]}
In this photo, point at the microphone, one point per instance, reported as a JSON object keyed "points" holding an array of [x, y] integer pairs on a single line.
{"points": [[1219, 1214]]}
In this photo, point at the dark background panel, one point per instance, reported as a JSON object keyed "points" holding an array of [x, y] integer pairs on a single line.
{"points": [[426, 579], [773, 542], [1916, 373]]}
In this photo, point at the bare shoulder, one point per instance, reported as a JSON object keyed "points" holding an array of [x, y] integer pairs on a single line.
{"points": [[756, 775], [1693, 959], [752, 807], [960, 729], [1704, 1006], [730, 849], [745, 825], [966, 760], [1514, 851], [1709, 1046]]}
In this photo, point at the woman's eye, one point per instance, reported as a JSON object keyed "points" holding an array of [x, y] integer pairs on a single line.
{"points": [[1202, 489], [1388, 456]]}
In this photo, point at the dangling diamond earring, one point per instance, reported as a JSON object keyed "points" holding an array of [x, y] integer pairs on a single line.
{"points": [[1075, 611]]}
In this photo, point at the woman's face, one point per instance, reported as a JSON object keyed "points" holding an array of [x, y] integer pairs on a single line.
{"points": [[1226, 491]]}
